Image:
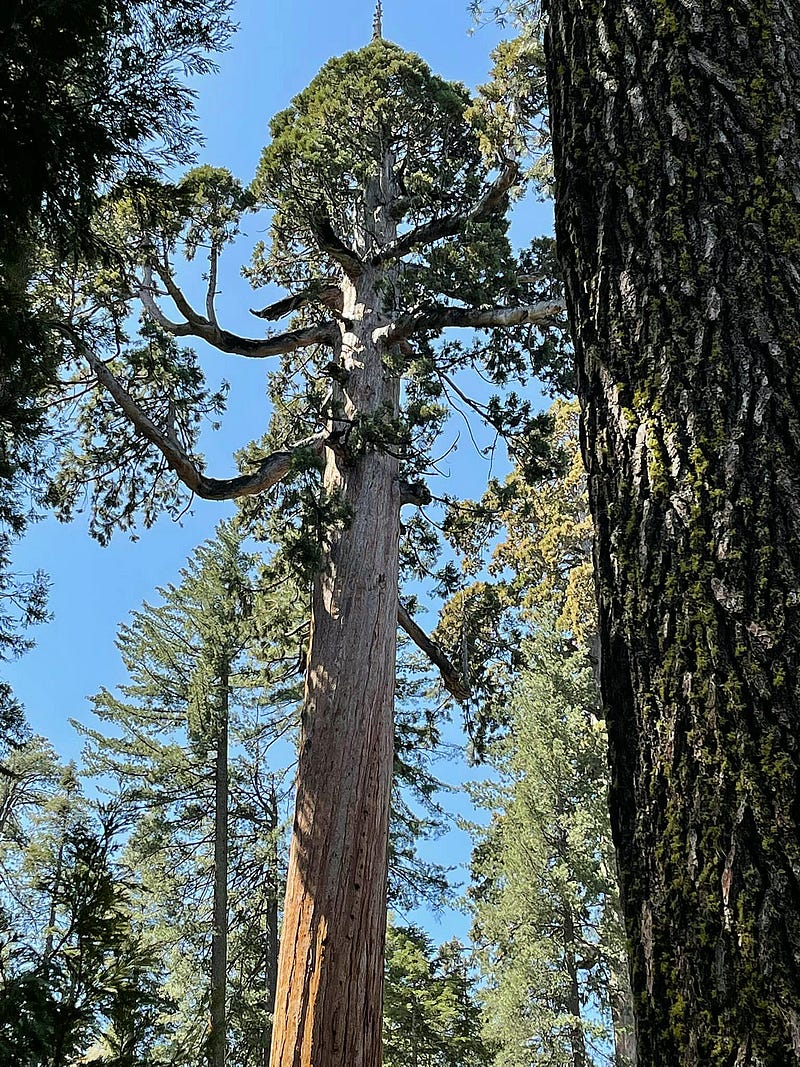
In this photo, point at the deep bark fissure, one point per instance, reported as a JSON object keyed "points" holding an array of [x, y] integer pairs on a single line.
{"points": [[677, 165]]}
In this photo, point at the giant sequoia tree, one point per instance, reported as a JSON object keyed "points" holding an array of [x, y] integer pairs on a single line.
{"points": [[676, 154], [387, 228]]}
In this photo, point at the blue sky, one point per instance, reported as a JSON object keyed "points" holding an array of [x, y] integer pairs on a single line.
{"points": [[278, 49]]}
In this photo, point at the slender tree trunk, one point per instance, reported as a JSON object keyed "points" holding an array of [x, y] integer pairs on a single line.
{"points": [[677, 182], [217, 1038], [271, 970], [576, 1037], [328, 1009]]}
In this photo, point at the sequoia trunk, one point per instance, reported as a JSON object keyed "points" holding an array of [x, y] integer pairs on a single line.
{"points": [[329, 1000], [677, 179]]}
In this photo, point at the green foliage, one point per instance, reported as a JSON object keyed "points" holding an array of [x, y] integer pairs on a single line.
{"points": [[90, 88], [512, 108], [526, 548], [546, 925], [73, 960], [212, 656], [431, 1014], [359, 109], [130, 478]]}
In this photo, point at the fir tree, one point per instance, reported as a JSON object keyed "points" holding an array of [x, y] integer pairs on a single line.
{"points": [[202, 824], [431, 1014]]}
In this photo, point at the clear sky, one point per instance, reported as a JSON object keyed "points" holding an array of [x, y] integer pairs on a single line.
{"points": [[277, 50]]}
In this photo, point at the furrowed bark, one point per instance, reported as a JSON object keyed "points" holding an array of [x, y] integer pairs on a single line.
{"points": [[329, 1000], [677, 174]]}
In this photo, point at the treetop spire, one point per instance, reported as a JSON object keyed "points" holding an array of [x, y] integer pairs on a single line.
{"points": [[377, 22]]}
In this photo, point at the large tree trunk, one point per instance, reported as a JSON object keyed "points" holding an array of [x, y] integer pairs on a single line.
{"points": [[677, 179], [329, 1000]]}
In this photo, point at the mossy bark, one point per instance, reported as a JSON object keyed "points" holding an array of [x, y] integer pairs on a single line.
{"points": [[677, 178]]}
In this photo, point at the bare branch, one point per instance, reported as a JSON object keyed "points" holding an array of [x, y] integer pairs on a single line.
{"points": [[442, 316], [322, 333], [454, 682], [429, 232], [322, 289], [331, 243], [211, 292], [271, 469]]}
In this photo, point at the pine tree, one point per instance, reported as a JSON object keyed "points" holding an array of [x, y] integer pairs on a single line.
{"points": [[388, 227]]}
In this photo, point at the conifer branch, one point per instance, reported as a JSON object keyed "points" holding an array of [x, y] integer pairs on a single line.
{"points": [[454, 681], [427, 233], [195, 325], [440, 317], [271, 469]]}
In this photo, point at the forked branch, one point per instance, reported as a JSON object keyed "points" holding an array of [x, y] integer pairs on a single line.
{"points": [[197, 325], [271, 469]]}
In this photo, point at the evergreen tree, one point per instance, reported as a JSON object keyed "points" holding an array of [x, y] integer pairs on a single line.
{"points": [[547, 925], [431, 1014], [204, 826], [91, 89], [388, 227], [206, 835], [73, 962], [544, 893]]}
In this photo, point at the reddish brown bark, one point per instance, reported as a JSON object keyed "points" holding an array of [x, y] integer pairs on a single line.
{"points": [[329, 1001]]}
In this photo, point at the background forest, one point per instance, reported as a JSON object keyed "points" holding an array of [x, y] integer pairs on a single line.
{"points": [[142, 882]]}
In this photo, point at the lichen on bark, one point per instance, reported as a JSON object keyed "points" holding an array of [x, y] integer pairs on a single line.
{"points": [[677, 169]]}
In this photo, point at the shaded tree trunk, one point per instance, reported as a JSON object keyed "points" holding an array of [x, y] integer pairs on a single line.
{"points": [[328, 1007], [217, 1038], [677, 177], [622, 1018], [271, 969], [573, 1003]]}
